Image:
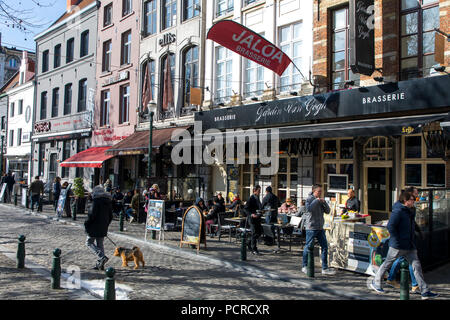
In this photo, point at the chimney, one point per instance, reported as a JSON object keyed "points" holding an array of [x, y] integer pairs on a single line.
{"points": [[71, 4]]}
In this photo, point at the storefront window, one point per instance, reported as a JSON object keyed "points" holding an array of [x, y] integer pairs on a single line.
{"points": [[347, 149], [413, 174], [283, 165], [435, 175], [282, 181], [377, 149], [347, 169], [413, 147], [294, 165], [329, 150]]}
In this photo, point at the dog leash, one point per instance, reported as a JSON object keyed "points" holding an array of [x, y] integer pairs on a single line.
{"points": [[112, 241]]}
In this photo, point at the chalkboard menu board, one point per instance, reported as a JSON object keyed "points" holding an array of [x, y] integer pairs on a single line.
{"points": [[62, 200], [191, 232]]}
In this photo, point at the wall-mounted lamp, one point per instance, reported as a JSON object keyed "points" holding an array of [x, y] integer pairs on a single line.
{"points": [[254, 98], [293, 93], [378, 79]]}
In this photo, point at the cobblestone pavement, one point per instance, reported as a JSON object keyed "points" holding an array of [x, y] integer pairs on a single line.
{"points": [[24, 284], [173, 273]]}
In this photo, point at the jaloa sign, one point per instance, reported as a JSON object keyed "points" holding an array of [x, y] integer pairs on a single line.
{"points": [[362, 36], [249, 44]]}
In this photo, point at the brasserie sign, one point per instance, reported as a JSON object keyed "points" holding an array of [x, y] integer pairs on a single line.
{"points": [[404, 96]]}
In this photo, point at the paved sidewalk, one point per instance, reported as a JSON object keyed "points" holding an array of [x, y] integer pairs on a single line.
{"points": [[25, 284], [283, 267]]}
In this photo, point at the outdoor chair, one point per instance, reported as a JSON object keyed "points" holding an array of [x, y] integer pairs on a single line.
{"points": [[269, 231], [296, 232], [223, 225], [241, 229]]}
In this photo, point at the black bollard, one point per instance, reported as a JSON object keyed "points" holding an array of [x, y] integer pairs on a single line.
{"points": [[244, 246], [404, 280], [56, 269], [310, 266], [121, 221], [21, 252], [110, 286], [15, 199]]}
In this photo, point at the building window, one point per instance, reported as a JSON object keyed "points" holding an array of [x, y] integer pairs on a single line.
{"points": [[421, 167], [84, 44], [11, 138], [340, 66], [107, 15], [19, 136], [190, 9], [70, 50], [55, 102], [378, 149], [11, 108], [287, 178], [254, 79], [68, 99], [169, 8], [150, 17], [126, 7], [124, 103], [291, 44], [65, 155], [126, 48], [45, 61], [337, 157], [82, 95], [151, 73], [166, 113], [13, 62], [224, 74], [43, 105], [57, 56], [224, 7], [81, 146], [107, 50], [104, 112], [418, 20], [190, 74], [247, 2]]}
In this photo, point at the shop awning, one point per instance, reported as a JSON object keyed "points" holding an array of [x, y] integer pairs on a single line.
{"points": [[90, 158], [355, 128], [137, 143]]}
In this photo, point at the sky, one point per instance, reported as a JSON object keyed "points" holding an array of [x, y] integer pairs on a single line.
{"points": [[44, 15]]}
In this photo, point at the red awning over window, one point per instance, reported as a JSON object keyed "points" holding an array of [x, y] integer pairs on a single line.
{"points": [[90, 158]]}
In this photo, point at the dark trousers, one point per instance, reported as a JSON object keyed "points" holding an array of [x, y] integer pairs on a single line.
{"points": [[55, 201], [35, 199], [256, 230]]}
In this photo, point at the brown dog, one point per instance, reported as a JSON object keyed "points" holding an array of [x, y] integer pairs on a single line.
{"points": [[134, 254]]}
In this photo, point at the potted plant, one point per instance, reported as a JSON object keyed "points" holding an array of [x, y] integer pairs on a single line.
{"points": [[78, 191]]}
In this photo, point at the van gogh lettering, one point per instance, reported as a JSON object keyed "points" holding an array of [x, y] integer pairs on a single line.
{"points": [[384, 98], [268, 51]]}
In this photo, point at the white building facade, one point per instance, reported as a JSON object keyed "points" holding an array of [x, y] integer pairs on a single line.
{"points": [[20, 116], [235, 81]]}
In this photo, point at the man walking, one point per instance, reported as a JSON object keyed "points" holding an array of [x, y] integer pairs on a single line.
{"points": [[10, 181], [316, 207], [96, 226], [401, 227], [36, 190], [254, 218]]}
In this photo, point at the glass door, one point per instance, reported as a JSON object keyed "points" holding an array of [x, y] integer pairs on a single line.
{"points": [[378, 192]]}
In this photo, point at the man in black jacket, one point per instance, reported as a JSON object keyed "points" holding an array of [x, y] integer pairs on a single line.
{"points": [[254, 218], [97, 224], [272, 203]]}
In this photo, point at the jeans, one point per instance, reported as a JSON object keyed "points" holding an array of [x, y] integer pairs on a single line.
{"points": [[396, 266], [411, 257], [310, 236], [35, 198], [97, 249], [129, 213], [55, 201]]}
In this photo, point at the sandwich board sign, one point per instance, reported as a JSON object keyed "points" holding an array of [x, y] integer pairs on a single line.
{"points": [[155, 217], [191, 231], [62, 200]]}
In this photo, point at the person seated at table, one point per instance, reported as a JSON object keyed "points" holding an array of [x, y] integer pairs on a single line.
{"points": [[288, 207], [213, 215], [235, 205], [302, 209], [117, 203], [352, 203], [221, 199], [201, 205], [153, 193]]}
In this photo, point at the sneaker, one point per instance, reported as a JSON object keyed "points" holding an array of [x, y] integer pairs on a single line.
{"points": [[256, 253], [428, 295], [305, 270], [393, 284], [328, 272], [415, 289], [131, 219], [377, 289]]}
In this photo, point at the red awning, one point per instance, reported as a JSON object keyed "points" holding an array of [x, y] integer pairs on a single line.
{"points": [[90, 158]]}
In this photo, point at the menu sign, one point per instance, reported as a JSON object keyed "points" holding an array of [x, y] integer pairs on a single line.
{"points": [[362, 36], [191, 232]]}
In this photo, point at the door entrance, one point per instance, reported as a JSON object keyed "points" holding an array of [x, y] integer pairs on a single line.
{"points": [[378, 192]]}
